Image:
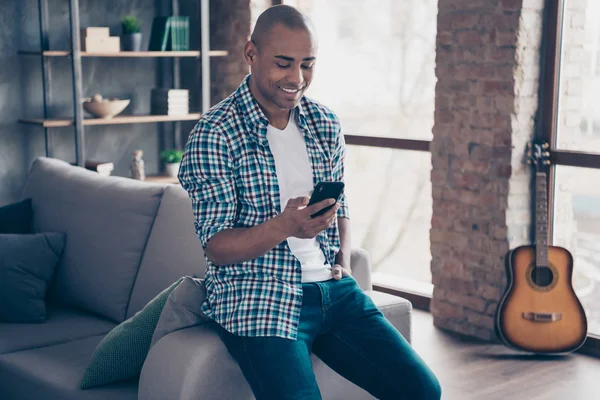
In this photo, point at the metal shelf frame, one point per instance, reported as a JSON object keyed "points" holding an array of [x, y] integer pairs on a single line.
{"points": [[76, 54]]}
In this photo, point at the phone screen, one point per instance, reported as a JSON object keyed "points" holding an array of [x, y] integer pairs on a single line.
{"points": [[326, 190]]}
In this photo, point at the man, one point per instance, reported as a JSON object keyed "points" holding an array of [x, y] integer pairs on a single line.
{"points": [[279, 283]]}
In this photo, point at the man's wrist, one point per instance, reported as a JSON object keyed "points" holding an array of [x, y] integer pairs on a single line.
{"points": [[343, 259], [279, 225]]}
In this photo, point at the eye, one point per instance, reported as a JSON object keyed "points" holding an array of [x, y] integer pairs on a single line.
{"points": [[283, 65], [307, 66]]}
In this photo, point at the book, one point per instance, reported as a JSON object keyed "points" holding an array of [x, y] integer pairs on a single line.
{"points": [[159, 34], [169, 91], [169, 34], [166, 101], [102, 167]]}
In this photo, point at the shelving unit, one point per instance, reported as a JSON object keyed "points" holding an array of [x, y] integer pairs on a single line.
{"points": [[127, 54], [75, 55], [118, 120]]}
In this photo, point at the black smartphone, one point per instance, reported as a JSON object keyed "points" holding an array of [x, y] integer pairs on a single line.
{"points": [[326, 190]]}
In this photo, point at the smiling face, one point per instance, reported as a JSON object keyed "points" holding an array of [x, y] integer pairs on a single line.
{"points": [[281, 65]]}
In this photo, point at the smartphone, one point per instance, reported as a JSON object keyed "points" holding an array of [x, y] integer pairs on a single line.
{"points": [[326, 190]]}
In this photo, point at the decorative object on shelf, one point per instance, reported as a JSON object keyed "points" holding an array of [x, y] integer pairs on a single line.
{"points": [[137, 166], [169, 101], [104, 108], [131, 35], [98, 40], [102, 167], [170, 33], [172, 159]]}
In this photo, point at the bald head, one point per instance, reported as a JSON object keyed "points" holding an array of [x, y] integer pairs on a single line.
{"points": [[280, 15], [281, 54]]}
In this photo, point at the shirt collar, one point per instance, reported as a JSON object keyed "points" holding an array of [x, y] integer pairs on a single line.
{"points": [[254, 116]]}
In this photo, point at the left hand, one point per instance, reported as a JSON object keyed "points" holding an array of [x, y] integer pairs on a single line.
{"points": [[338, 272]]}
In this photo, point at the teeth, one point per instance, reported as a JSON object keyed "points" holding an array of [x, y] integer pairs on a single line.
{"points": [[289, 90]]}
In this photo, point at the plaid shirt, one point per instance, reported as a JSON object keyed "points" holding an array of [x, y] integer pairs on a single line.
{"points": [[229, 172]]}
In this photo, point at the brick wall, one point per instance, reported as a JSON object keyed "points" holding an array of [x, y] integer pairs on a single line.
{"points": [[230, 29], [487, 68]]}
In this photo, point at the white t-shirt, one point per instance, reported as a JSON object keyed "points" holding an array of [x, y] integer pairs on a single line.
{"points": [[294, 174]]}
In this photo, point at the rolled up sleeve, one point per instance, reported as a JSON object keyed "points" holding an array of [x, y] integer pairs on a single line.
{"points": [[338, 159], [206, 173]]}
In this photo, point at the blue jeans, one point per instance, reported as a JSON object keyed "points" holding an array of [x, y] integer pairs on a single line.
{"points": [[344, 328]]}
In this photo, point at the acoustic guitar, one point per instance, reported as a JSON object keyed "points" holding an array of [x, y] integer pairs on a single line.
{"points": [[539, 311]]}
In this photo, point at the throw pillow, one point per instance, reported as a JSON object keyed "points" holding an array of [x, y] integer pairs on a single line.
{"points": [[27, 264], [16, 218], [121, 353], [183, 308]]}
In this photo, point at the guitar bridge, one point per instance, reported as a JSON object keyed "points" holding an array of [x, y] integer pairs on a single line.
{"points": [[542, 317]]}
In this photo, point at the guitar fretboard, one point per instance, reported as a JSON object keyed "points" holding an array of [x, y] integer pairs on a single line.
{"points": [[541, 221]]}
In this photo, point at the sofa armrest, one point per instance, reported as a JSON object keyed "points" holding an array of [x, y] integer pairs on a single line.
{"points": [[189, 364], [361, 268]]}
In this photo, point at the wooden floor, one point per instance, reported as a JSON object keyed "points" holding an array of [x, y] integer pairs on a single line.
{"points": [[473, 370]]}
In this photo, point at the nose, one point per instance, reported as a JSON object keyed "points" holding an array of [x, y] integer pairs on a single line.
{"points": [[295, 76]]}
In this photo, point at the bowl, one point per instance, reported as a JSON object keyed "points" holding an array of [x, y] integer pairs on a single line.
{"points": [[105, 108]]}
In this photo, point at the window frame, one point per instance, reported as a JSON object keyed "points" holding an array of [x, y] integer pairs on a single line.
{"points": [[552, 33]]}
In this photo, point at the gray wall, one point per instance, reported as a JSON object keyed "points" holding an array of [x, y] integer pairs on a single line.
{"points": [[21, 90]]}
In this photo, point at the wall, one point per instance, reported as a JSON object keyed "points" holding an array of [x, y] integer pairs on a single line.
{"points": [[20, 82], [487, 66]]}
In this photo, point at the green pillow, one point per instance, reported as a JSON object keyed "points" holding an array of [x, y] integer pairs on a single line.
{"points": [[121, 353]]}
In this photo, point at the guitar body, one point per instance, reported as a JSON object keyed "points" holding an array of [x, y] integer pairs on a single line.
{"points": [[539, 311]]}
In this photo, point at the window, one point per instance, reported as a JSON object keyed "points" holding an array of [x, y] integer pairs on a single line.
{"points": [[579, 100], [575, 145], [376, 71], [389, 194], [376, 64], [577, 228]]}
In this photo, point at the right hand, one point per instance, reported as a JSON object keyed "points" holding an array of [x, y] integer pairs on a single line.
{"points": [[296, 221]]}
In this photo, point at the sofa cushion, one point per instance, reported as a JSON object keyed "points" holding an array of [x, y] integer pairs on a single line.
{"points": [[121, 354], [107, 221], [62, 325], [27, 263], [16, 218], [182, 309], [173, 249], [54, 373]]}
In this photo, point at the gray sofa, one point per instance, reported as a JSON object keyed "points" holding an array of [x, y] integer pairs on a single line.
{"points": [[126, 241]]}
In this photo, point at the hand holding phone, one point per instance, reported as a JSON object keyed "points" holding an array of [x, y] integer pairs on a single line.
{"points": [[326, 190]]}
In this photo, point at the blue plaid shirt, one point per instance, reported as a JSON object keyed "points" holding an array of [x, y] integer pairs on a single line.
{"points": [[229, 172]]}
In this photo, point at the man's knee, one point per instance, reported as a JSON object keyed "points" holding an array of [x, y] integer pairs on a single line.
{"points": [[426, 386], [420, 385], [433, 390]]}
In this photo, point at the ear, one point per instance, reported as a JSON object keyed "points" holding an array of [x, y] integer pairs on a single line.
{"points": [[250, 52]]}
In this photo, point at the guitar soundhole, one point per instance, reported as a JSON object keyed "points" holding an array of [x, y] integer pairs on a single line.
{"points": [[542, 276]]}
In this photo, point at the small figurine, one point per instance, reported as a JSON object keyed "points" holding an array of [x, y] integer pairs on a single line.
{"points": [[137, 165]]}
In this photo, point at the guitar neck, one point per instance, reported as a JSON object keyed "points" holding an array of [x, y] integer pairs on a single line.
{"points": [[541, 220]]}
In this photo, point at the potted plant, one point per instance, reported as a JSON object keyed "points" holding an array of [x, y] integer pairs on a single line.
{"points": [[172, 159], [131, 36]]}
